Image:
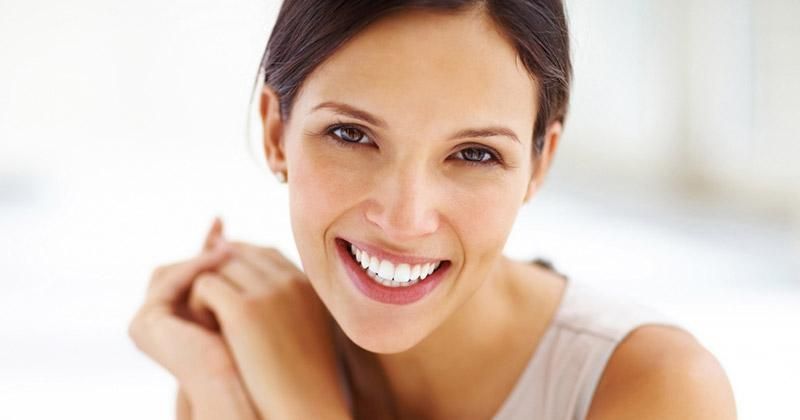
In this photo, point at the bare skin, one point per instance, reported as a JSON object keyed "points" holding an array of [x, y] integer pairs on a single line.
{"points": [[663, 373]]}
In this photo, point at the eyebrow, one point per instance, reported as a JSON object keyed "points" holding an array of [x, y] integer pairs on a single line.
{"points": [[353, 112]]}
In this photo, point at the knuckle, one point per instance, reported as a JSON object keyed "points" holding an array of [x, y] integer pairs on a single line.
{"points": [[161, 271], [157, 278], [253, 306], [302, 287], [135, 329], [202, 283], [298, 278], [158, 272], [239, 316], [271, 251], [246, 311]]}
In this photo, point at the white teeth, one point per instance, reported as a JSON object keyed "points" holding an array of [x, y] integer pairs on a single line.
{"points": [[389, 274], [374, 264], [402, 273], [386, 270], [415, 270], [361, 257]]}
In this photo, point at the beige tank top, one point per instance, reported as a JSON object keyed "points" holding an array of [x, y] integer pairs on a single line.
{"points": [[559, 381], [561, 377]]}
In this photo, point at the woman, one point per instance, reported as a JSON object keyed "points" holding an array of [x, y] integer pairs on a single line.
{"points": [[410, 133]]}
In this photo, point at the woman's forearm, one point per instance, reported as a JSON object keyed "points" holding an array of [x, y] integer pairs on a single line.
{"points": [[217, 400], [323, 410], [313, 395], [332, 410]]}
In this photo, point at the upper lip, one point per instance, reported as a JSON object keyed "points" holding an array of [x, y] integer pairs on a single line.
{"points": [[381, 254]]}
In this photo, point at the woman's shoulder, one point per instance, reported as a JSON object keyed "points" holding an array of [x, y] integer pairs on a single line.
{"points": [[605, 356], [647, 365], [660, 371]]}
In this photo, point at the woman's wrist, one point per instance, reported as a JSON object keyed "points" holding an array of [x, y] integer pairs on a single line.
{"points": [[288, 401], [308, 408], [228, 398], [311, 410], [220, 398]]}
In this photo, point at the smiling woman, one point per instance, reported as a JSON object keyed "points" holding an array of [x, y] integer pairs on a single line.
{"points": [[410, 133]]}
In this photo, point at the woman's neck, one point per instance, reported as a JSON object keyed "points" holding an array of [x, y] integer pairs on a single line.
{"points": [[468, 365]]}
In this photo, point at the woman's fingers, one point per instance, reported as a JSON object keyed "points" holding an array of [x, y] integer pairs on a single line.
{"points": [[211, 292], [198, 307], [166, 338], [243, 275], [269, 261], [170, 282], [214, 234]]}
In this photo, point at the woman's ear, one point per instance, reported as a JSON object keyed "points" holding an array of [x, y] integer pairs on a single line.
{"points": [[542, 163], [273, 130]]}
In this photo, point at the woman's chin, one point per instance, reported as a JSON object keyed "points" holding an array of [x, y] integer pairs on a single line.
{"points": [[380, 339]]}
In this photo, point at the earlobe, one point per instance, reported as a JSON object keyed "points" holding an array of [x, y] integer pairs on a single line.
{"points": [[273, 130]]}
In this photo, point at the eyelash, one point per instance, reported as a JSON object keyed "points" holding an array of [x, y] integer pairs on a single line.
{"points": [[494, 159]]}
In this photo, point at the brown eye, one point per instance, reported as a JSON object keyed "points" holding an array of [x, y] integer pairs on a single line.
{"points": [[474, 154], [349, 134], [478, 156]]}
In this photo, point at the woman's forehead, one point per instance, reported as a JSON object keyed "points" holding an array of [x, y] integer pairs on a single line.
{"points": [[428, 64]]}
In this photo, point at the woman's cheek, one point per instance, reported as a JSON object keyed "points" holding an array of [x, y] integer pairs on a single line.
{"points": [[323, 186], [326, 185], [486, 234]]}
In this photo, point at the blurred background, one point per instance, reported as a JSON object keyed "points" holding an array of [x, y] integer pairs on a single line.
{"points": [[122, 133]]}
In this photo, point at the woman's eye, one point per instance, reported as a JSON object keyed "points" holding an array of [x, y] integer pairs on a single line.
{"points": [[478, 156], [347, 134]]}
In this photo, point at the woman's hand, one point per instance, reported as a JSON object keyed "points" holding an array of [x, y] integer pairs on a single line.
{"points": [[198, 358], [277, 330]]}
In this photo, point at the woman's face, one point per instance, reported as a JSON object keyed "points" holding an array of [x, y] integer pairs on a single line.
{"points": [[436, 166]]}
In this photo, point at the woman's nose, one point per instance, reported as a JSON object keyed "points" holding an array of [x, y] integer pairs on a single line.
{"points": [[404, 205]]}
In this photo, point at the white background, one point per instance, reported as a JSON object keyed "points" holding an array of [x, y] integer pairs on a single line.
{"points": [[122, 135]]}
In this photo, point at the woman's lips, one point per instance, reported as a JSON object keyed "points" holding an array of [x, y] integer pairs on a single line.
{"points": [[386, 294]]}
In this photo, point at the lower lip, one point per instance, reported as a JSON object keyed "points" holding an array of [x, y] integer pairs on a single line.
{"points": [[385, 294]]}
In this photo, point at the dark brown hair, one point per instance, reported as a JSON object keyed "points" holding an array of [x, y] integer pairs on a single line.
{"points": [[308, 31]]}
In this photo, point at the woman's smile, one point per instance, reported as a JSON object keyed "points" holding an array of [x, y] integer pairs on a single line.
{"points": [[390, 278]]}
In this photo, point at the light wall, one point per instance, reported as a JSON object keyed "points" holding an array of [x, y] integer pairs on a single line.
{"points": [[696, 96]]}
